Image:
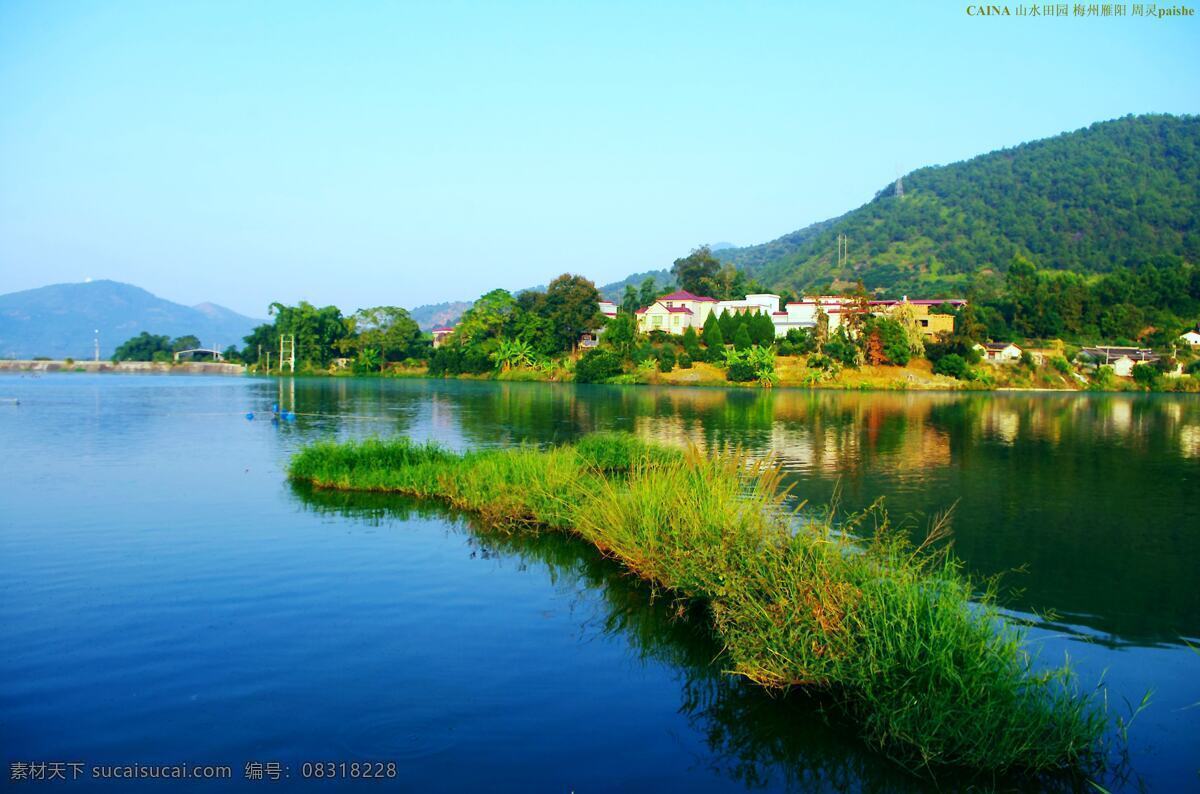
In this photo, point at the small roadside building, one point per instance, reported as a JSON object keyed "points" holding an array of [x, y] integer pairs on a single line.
{"points": [[999, 352], [1191, 337], [1121, 359]]}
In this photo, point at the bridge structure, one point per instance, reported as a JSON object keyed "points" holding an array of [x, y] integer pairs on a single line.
{"points": [[192, 353]]}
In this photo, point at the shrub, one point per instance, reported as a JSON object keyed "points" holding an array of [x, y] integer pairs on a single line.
{"points": [[952, 364], [596, 366], [666, 359], [786, 348], [1144, 375], [741, 371], [685, 361], [1027, 359], [1060, 364]]}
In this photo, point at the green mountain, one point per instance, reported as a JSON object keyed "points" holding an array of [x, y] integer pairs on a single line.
{"points": [[1099, 199], [61, 320]]}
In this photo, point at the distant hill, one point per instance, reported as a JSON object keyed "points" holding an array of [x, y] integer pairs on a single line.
{"points": [[616, 290], [60, 320], [1105, 197], [434, 314]]}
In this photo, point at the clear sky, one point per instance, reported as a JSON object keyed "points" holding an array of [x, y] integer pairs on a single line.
{"points": [[363, 153]]}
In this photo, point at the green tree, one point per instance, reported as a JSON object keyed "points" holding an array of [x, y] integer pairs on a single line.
{"points": [[714, 340], [620, 332], [691, 342], [696, 271], [317, 330], [649, 293], [486, 318], [187, 342], [630, 303], [389, 330], [572, 307], [741, 339], [142, 347]]}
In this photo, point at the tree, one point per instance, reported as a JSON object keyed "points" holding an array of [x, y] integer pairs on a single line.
{"points": [[648, 294], [142, 347], [389, 330], [572, 307], [953, 365], [696, 271], [666, 359], [188, 342], [714, 340], [629, 303], [620, 333], [486, 318], [820, 334], [741, 339], [317, 330], [691, 342], [762, 329], [729, 320]]}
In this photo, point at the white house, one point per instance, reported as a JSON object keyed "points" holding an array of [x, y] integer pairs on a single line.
{"points": [[675, 313], [1191, 337], [999, 352], [608, 309]]}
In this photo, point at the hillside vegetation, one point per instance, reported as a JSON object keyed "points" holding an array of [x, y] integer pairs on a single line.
{"points": [[1103, 198]]}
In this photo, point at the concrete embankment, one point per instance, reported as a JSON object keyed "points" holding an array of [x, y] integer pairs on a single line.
{"points": [[130, 367]]}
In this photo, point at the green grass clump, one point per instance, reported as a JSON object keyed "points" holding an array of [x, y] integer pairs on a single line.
{"points": [[895, 635]]}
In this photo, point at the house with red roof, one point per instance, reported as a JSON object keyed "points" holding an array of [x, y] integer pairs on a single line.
{"points": [[675, 313]]}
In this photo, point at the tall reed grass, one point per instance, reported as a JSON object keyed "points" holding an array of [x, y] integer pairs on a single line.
{"points": [[895, 635]]}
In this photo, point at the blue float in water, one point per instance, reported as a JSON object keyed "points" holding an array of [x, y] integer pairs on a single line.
{"points": [[274, 408], [250, 415]]}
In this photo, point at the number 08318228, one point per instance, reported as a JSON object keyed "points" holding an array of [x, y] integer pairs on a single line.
{"points": [[353, 769]]}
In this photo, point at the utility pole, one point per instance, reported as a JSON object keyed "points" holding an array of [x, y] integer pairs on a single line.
{"points": [[843, 250], [97, 344]]}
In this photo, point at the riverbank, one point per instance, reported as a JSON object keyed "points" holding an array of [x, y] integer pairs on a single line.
{"points": [[893, 635], [793, 373], [128, 367]]}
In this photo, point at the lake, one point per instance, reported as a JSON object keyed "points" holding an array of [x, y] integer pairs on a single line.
{"points": [[166, 597]]}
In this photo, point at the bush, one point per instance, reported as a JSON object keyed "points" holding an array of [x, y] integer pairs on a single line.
{"points": [[786, 348], [1144, 375], [596, 366], [819, 361], [741, 371], [685, 361], [1060, 364], [666, 359], [954, 365], [1027, 359]]}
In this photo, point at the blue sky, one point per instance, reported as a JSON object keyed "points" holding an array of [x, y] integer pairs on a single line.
{"points": [[403, 153]]}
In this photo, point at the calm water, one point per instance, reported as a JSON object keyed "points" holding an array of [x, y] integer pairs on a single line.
{"points": [[166, 596]]}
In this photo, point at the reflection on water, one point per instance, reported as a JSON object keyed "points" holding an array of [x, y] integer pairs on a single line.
{"points": [[167, 597], [1107, 482], [754, 739]]}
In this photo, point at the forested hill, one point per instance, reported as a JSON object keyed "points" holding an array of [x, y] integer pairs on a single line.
{"points": [[1105, 197]]}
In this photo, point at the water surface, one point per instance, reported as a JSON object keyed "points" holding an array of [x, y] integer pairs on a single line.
{"points": [[167, 597]]}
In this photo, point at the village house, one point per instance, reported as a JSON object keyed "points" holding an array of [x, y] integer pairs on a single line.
{"points": [[675, 313], [1121, 359], [440, 334], [680, 310], [999, 352], [929, 323], [1191, 337]]}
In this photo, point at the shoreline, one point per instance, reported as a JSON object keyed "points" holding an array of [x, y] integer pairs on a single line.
{"points": [[123, 367]]}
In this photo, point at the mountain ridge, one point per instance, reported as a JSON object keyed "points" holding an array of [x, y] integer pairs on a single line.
{"points": [[60, 320]]}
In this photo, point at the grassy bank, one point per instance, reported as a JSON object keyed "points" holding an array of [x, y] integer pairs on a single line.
{"points": [[895, 636]]}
